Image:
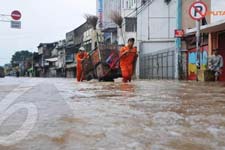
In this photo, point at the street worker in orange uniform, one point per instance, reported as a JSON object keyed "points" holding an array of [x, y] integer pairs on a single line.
{"points": [[81, 55], [128, 56]]}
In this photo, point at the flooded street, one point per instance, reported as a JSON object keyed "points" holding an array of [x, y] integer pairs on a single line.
{"points": [[61, 114]]}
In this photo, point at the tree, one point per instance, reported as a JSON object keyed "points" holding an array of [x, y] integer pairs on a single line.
{"points": [[21, 56]]}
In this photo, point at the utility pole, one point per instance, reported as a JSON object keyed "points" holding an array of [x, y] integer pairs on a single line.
{"points": [[32, 64], [197, 11], [178, 60], [197, 47]]}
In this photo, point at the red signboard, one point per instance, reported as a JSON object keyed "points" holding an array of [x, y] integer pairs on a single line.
{"points": [[179, 33], [16, 15]]}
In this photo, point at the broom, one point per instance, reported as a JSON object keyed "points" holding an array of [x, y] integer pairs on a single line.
{"points": [[118, 20], [92, 20]]}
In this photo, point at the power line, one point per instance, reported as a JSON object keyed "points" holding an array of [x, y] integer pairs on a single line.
{"points": [[4, 15], [141, 7], [4, 20], [147, 5]]}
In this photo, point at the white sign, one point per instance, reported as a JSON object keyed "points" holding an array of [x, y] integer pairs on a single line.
{"points": [[217, 10], [16, 24], [198, 10]]}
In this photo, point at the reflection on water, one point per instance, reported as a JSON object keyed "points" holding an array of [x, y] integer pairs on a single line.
{"points": [[127, 87]]}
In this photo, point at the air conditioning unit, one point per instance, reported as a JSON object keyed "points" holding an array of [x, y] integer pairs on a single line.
{"points": [[167, 1], [143, 1]]}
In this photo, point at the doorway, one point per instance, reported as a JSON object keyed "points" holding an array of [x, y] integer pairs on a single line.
{"points": [[222, 53]]}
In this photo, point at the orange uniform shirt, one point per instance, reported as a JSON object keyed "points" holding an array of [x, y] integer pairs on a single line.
{"points": [[129, 57], [79, 58]]}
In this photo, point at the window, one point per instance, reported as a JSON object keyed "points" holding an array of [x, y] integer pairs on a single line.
{"points": [[130, 3], [131, 24], [134, 3]]}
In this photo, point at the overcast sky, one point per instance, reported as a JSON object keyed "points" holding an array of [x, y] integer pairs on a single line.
{"points": [[42, 21]]}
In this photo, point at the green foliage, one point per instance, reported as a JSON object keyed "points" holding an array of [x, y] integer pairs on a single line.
{"points": [[20, 56]]}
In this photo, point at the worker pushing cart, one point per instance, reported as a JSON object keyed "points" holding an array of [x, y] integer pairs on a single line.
{"points": [[128, 57], [106, 62], [81, 55]]}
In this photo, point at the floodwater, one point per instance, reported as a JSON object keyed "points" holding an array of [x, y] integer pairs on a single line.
{"points": [[142, 115]]}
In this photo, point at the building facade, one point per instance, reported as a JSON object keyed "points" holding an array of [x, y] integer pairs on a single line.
{"points": [[212, 37], [74, 40], [129, 27], [45, 53], [91, 37], [112, 33], [50, 60], [105, 8], [156, 22], [188, 23]]}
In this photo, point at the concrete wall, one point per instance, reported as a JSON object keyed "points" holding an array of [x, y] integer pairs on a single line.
{"points": [[216, 6], [127, 10], [155, 27], [150, 46], [128, 7], [187, 21], [40, 50], [122, 37], [213, 6], [128, 4], [91, 36], [156, 24]]}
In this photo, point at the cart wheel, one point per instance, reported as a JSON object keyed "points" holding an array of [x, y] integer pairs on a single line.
{"points": [[100, 69], [90, 76]]}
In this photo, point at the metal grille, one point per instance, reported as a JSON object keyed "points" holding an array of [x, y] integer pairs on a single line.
{"points": [[159, 65]]}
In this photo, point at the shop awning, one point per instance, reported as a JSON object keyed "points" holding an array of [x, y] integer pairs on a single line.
{"points": [[213, 27], [52, 59]]}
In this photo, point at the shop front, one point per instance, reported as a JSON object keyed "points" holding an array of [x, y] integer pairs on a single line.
{"points": [[212, 37], [191, 54]]}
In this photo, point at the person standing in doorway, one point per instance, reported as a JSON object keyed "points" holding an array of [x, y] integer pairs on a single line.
{"points": [[216, 64], [81, 55], [128, 56]]}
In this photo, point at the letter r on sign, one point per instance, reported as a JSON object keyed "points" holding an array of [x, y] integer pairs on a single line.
{"points": [[198, 9]]}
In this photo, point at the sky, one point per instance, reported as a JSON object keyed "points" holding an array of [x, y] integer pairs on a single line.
{"points": [[42, 21]]}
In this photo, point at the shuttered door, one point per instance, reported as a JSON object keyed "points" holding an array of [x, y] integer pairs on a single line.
{"points": [[222, 52]]}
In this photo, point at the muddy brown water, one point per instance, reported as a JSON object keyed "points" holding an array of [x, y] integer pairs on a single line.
{"points": [[142, 115]]}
